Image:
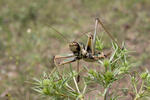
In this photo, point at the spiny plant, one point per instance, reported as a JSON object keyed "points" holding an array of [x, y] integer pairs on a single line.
{"points": [[116, 67], [64, 87], [140, 85]]}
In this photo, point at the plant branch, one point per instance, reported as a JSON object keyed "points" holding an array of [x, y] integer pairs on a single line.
{"points": [[106, 93], [76, 85]]}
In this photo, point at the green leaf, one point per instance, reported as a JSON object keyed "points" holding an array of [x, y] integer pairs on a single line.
{"points": [[144, 75], [46, 82]]}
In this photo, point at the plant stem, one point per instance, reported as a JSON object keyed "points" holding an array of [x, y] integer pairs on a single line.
{"points": [[76, 85], [135, 88], [106, 94], [140, 91], [136, 98], [82, 99]]}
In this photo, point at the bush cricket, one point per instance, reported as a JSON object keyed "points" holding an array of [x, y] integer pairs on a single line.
{"points": [[81, 51]]}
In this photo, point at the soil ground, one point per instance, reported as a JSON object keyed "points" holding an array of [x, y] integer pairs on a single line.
{"points": [[27, 44]]}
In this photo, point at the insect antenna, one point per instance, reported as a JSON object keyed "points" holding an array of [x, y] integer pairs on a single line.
{"points": [[64, 38], [83, 33], [107, 32]]}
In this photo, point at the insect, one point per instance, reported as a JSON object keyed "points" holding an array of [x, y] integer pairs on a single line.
{"points": [[87, 51]]}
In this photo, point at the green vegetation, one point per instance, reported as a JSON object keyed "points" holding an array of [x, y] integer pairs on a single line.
{"points": [[27, 44], [117, 67]]}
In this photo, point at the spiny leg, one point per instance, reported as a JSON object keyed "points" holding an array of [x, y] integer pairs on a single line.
{"points": [[94, 37], [99, 21], [62, 57], [68, 60], [91, 40]]}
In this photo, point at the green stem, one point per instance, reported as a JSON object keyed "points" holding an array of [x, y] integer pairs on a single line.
{"points": [[140, 91], [106, 93], [82, 99], [76, 85], [136, 98], [135, 88]]}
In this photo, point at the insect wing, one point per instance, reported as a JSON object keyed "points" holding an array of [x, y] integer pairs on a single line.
{"points": [[89, 44]]}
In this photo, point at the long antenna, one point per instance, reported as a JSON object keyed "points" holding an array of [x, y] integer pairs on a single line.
{"points": [[108, 32], [60, 34], [83, 33]]}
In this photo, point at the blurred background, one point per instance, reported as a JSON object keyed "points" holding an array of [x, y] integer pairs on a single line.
{"points": [[27, 44]]}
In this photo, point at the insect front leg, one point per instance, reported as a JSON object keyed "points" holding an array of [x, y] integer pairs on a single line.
{"points": [[65, 60], [68, 60], [62, 57]]}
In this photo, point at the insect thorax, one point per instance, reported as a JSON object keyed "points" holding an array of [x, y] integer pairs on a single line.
{"points": [[76, 48]]}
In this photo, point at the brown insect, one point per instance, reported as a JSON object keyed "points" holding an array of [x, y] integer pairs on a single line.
{"points": [[86, 51]]}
